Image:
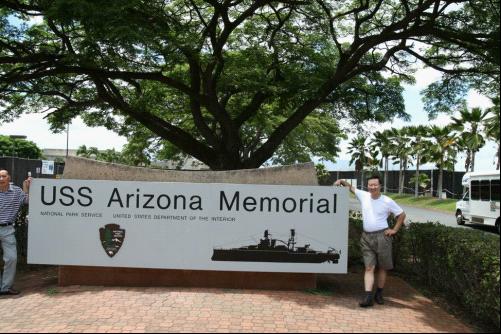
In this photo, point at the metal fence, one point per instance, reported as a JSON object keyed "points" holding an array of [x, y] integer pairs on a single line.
{"points": [[451, 181], [18, 169]]}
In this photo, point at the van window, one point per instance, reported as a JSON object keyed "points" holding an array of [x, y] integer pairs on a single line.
{"points": [[495, 190], [475, 190], [485, 190]]}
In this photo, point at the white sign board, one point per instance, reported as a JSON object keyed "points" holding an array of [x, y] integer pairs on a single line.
{"points": [[235, 227], [47, 167]]}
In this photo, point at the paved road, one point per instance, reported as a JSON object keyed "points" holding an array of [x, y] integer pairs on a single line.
{"points": [[418, 214], [426, 215]]}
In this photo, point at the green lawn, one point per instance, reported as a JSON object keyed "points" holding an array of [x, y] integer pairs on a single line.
{"points": [[447, 205]]}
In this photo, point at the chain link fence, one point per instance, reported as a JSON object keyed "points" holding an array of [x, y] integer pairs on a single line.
{"points": [[451, 182]]}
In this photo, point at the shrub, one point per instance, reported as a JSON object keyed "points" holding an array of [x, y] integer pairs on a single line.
{"points": [[463, 264]]}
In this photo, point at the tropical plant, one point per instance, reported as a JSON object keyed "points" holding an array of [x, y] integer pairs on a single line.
{"points": [[469, 128], [360, 155], [381, 143], [421, 179], [90, 153], [418, 149], [443, 151], [491, 125], [323, 175], [400, 151]]}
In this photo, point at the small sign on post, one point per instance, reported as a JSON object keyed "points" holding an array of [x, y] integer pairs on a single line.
{"points": [[47, 167]]}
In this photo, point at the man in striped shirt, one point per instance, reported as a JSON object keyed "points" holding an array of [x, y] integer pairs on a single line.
{"points": [[11, 200]]}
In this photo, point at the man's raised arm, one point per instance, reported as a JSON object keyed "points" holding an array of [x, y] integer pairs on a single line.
{"points": [[344, 184]]}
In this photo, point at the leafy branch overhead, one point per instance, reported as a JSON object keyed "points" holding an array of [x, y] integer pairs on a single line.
{"points": [[233, 83]]}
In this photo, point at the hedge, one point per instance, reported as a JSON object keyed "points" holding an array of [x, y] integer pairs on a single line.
{"points": [[462, 263]]}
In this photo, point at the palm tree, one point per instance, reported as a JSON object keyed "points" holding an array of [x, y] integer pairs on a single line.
{"points": [[421, 179], [400, 149], [469, 126], [381, 143], [418, 148], [359, 155], [90, 153], [443, 151], [491, 125]]}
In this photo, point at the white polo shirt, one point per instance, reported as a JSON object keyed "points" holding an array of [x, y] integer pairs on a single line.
{"points": [[375, 212]]}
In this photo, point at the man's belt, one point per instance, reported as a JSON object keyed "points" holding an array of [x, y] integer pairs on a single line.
{"points": [[7, 224], [376, 232]]}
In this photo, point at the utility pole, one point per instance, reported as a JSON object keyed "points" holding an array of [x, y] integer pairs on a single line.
{"points": [[13, 138], [67, 137]]}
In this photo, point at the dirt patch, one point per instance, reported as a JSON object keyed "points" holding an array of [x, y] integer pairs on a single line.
{"points": [[36, 277]]}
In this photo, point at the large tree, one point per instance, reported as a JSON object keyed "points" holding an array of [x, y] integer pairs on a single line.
{"points": [[16, 147], [226, 81], [459, 37]]}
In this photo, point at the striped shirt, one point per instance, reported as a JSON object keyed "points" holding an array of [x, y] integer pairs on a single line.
{"points": [[10, 203]]}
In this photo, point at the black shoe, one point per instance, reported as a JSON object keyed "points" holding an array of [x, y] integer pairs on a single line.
{"points": [[10, 292], [378, 297], [367, 302]]}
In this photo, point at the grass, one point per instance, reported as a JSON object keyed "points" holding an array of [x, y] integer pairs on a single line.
{"points": [[320, 292], [446, 205]]}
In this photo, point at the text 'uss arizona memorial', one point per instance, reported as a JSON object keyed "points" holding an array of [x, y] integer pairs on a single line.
{"points": [[232, 201]]}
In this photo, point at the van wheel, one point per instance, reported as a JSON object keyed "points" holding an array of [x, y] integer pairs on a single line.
{"points": [[460, 218], [497, 225]]}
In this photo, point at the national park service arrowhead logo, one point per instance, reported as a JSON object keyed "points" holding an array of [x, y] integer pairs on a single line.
{"points": [[112, 238]]}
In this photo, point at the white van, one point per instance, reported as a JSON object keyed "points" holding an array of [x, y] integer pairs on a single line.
{"points": [[480, 202]]}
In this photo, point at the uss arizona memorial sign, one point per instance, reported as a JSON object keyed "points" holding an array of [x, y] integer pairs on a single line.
{"points": [[231, 227], [82, 196]]}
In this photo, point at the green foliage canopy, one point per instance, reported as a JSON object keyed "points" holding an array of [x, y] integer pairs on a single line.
{"points": [[19, 148], [233, 83]]}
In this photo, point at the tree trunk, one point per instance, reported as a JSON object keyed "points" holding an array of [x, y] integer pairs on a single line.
{"points": [[440, 176], [472, 161], [497, 165], [385, 174], [403, 174], [400, 177], [431, 183], [416, 182]]}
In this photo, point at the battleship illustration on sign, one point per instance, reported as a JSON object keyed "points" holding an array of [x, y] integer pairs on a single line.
{"points": [[275, 250]]}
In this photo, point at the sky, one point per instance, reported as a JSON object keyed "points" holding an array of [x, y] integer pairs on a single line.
{"points": [[36, 128]]}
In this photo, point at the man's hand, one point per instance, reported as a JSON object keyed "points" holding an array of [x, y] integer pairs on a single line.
{"points": [[390, 232], [343, 183], [400, 221], [27, 184]]}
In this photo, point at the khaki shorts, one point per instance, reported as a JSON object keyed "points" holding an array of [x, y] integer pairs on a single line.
{"points": [[377, 249]]}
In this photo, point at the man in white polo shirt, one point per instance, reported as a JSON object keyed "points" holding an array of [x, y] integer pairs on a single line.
{"points": [[11, 200], [376, 240]]}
